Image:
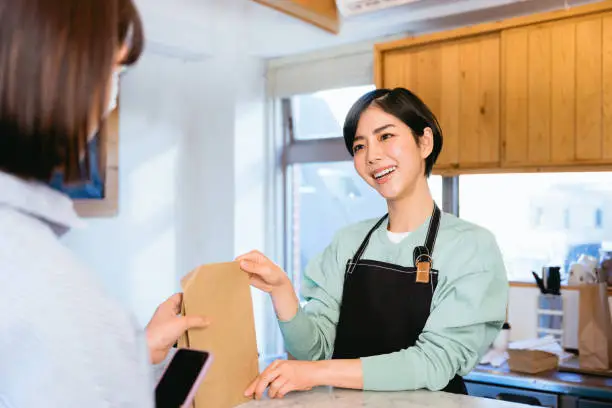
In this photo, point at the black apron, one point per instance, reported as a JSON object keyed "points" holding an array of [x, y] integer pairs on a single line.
{"points": [[385, 306]]}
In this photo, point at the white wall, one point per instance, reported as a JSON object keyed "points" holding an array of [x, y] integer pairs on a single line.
{"points": [[254, 222], [139, 253], [192, 169]]}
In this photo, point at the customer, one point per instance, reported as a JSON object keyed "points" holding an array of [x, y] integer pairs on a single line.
{"points": [[63, 341]]}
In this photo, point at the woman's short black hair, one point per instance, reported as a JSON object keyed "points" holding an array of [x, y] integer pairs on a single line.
{"points": [[405, 106]]}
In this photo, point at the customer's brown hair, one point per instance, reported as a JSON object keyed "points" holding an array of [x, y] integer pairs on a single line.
{"points": [[56, 58]]}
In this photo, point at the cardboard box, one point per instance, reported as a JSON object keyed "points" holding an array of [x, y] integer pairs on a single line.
{"points": [[222, 293], [532, 361]]}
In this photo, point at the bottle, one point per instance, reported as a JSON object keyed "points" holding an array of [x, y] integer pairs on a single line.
{"points": [[605, 262], [503, 338]]}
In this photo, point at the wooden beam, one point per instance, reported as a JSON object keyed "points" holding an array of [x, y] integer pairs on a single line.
{"points": [[321, 13]]}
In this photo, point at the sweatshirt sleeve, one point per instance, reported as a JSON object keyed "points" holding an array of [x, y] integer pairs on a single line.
{"points": [[468, 310], [310, 334]]}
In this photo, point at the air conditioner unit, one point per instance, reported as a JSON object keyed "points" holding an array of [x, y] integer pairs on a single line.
{"points": [[354, 7]]}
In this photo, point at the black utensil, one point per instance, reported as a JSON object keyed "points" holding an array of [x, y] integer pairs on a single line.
{"points": [[553, 282], [539, 282]]}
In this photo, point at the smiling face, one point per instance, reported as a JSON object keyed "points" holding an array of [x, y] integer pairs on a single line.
{"points": [[386, 154]]}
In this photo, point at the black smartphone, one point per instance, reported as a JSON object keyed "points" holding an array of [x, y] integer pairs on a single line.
{"points": [[181, 378]]}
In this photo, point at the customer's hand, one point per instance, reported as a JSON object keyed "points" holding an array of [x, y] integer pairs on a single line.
{"points": [[264, 274], [166, 326], [284, 376]]}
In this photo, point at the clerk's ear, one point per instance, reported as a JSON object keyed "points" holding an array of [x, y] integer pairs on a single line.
{"points": [[426, 143]]}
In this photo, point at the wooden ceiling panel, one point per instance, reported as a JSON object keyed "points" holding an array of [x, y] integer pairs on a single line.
{"points": [[321, 13]]}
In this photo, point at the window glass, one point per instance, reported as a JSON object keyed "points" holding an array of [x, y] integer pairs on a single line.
{"points": [[545, 219], [321, 115]]}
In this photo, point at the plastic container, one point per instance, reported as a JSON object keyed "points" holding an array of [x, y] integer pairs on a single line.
{"points": [[503, 338], [550, 316]]}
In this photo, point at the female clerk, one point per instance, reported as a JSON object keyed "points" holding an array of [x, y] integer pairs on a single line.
{"points": [[411, 300]]}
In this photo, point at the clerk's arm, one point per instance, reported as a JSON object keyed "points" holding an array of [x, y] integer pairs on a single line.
{"points": [[309, 334]]}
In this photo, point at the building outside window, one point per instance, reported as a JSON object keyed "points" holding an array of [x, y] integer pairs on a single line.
{"points": [[563, 203]]}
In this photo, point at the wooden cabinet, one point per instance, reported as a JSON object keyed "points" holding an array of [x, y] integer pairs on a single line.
{"points": [[557, 100], [527, 94], [460, 82]]}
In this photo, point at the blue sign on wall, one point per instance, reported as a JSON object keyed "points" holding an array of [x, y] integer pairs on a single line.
{"points": [[92, 189]]}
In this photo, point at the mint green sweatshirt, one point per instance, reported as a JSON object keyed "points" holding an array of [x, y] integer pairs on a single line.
{"points": [[467, 311]]}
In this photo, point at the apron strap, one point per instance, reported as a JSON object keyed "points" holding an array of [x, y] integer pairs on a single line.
{"points": [[364, 244], [432, 233], [434, 227]]}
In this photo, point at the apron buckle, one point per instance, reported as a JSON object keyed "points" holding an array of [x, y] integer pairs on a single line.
{"points": [[423, 265]]}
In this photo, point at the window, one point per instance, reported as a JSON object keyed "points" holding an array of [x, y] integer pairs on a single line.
{"points": [[320, 115], [564, 204]]}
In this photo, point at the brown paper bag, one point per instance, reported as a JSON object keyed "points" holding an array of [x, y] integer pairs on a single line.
{"points": [[594, 328], [222, 293]]}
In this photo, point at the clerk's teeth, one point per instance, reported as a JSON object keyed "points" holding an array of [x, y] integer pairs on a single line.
{"points": [[384, 172]]}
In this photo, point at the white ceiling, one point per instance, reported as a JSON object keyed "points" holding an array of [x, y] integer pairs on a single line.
{"points": [[195, 28]]}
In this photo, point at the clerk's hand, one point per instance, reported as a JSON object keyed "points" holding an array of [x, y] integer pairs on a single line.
{"points": [[284, 376], [167, 325], [263, 273], [269, 277]]}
